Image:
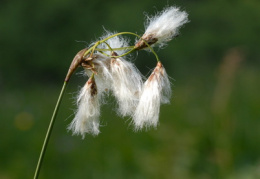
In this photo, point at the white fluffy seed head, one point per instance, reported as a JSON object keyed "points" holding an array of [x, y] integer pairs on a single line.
{"points": [[87, 116], [127, 85], [163, 26], [156, 90], [147, 111]]}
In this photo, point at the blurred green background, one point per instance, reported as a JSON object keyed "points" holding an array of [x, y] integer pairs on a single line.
{"points": [[209, 131]]}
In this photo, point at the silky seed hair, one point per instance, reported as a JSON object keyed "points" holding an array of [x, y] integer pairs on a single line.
{"points": [[164, 25], [87, 115], [127, 85], [153, 94]]}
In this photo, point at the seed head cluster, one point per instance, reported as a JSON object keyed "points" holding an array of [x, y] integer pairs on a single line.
{"points": [[109, 72]]}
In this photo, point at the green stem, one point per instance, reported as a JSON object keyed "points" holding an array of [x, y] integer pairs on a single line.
{"points": [[131, 33], [110, 49], [108, 46], [122, 33], [130, 51], [47, 137], [115, 49]]}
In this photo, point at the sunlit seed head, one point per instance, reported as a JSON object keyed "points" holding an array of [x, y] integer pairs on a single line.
{"points": [[163, 27]]}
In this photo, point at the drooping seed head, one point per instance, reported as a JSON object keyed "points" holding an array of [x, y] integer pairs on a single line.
{"points": [[156, 90], [126, 84], [86, 119]]}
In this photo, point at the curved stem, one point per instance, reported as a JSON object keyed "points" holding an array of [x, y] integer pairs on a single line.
{"points": [[131, 33], [47, 137], [108, 46], [115, 49], [130, 51], [87, 52], [122, 33], [94, 47]]}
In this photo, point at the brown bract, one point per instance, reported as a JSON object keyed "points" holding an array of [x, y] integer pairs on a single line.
{"points": [[114, 54], [89, 63], [77, 60], [156, 71], [93, 86], [113, 60], [149, 39]]}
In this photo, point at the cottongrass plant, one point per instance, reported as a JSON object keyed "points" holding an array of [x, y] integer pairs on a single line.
{"points": [[109, 71]]}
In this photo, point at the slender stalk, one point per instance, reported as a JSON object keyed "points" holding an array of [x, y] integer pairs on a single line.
{"points": [[122, 33], [130, 51], [115, 49], [47, 137]]}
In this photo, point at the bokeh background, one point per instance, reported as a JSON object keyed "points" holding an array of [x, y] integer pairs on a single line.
{"points": [[210, 130]]}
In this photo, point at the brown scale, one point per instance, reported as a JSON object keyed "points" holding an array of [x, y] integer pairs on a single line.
{"points": [[149, 39], [93, 86], [158, 69]]}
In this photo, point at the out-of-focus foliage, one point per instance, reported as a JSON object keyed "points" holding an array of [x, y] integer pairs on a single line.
{"points": [[210, 130]]}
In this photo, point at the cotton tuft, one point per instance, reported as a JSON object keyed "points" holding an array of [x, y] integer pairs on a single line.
{"points": [[87, 116], [156, 90], [162, 27], [127, 85]]}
